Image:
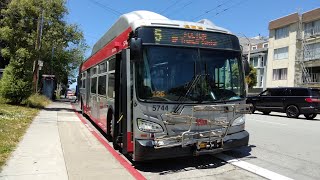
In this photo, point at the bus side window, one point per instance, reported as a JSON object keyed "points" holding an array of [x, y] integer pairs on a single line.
{"points": [[112, 64], [102, 85], [94, 85], [111, 92], [84, 83]]}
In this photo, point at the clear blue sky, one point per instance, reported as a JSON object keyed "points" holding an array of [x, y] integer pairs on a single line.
{"points": [[249, 17]]}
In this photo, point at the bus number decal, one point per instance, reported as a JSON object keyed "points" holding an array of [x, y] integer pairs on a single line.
{"points": [[157, 35], [160, 108]]}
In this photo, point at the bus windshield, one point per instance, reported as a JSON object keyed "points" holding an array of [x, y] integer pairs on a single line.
{"points": [[191, 75]]}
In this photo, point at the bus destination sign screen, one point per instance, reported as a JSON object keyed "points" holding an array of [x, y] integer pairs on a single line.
{"points": [[187, 37]]}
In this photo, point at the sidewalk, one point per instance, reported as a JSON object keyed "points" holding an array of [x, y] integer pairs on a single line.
{"points": [[58, 145]]}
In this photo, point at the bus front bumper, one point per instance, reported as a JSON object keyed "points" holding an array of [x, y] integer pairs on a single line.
{"points": [[144, 149]]}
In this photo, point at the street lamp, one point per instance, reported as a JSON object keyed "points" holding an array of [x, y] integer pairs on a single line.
{"points": [[249, 46]]}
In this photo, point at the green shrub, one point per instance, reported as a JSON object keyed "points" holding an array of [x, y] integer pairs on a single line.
{"points": [[3, 100], [16, 83], [36, 101]]}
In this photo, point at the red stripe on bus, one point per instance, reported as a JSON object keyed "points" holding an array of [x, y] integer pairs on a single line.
{"points": [[129, 142], [96, 121], [136, 174], [117, 44]]}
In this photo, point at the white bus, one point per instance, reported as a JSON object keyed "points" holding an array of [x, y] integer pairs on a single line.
{"points": [[163, 88]]}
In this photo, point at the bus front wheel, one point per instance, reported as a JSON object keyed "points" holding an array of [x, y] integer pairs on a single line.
{"points": [[109, 125]]}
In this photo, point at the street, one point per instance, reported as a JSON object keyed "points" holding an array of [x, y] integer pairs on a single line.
{"points": [[279, 148], [286, 146]]}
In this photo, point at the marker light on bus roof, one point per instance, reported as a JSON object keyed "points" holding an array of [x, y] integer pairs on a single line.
{"points": [[193, 27]]}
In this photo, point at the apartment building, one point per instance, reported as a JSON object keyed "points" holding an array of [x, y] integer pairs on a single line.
{"points": [[256, 49], [294, 50]]}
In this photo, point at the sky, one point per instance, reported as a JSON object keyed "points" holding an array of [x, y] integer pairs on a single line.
{"points": [[241, 17]]}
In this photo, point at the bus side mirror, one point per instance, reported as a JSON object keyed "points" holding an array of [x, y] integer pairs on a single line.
{"points": [[246, 67], [135, 48]]}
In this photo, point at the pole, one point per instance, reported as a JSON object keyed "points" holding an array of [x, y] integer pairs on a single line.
{"points": [[51, 62], [249, 53], [38, 47]]}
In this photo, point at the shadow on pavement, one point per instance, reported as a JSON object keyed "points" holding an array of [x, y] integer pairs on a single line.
{"points": [[242, 152], [59, 109], [285, 116], [170, 166]]}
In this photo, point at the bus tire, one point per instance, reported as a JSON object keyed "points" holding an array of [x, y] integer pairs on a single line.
{"points": [[109, 124]]}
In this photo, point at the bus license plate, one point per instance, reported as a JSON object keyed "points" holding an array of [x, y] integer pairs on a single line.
{"points": [[203, 145]]}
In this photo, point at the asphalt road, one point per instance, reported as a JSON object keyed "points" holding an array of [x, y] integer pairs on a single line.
{"points": [[289, 147], [285, 146]]}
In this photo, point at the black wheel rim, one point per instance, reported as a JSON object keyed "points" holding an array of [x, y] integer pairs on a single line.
{"points": [[292, 111]]}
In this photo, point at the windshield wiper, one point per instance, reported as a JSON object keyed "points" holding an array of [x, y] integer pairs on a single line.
{"points": [[191, 85]]}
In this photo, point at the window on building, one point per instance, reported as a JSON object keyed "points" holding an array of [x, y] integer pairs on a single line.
{"points": [[280, 74], [254, 47], [281, 53], [265, 45], [102, 88], [312, 51], [254, 61], [312, 28], [282, 32], [262, 62], [261, 81]]}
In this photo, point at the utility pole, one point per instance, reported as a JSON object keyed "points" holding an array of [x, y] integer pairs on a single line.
{"points": [[249, 53], [38, 48]]}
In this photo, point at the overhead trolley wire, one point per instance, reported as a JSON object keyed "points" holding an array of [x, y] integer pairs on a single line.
{"points": [[109, 9], [226, 9], [173, 4], [180, 8], [208, 11]]}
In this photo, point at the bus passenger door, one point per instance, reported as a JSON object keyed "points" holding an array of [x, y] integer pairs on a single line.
{"points": [[123, 101]]}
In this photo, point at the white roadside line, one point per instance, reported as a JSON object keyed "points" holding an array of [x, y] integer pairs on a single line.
{"points": [[270, 122], [252, 168]]}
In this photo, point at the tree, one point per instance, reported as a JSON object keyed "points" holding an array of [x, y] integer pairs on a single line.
{"points": [[3, 62], [20, 30], [251, 78]]}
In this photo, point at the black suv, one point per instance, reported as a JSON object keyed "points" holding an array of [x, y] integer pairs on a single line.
{"points": [[292, 101]]}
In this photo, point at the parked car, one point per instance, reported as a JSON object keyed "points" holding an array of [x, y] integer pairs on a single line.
{"points": [[292, 101]]}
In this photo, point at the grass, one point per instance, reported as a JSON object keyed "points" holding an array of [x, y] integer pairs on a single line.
{"points": [[36, 101], [14, 120]]}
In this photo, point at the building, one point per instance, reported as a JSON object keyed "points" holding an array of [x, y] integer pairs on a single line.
{"points": [[294, 50], [257, 50]]}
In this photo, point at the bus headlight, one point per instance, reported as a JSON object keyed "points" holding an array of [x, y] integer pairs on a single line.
{"points": [[148, 126], [239, 121]]}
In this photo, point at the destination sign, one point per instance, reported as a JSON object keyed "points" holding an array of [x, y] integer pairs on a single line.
{"points": [[187, 37]]}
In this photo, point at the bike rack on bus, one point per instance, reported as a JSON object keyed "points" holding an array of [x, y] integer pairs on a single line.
{"points": [[219, 125]]}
